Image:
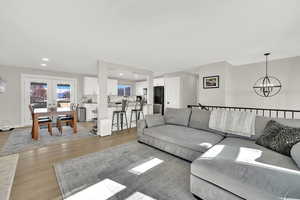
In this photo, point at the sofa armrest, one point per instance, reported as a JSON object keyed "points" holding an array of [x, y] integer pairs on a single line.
{"points": [[154, 120], [141, 125]]}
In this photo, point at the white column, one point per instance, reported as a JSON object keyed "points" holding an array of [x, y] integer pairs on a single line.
{"points": [[150, 94], [103, 123]]}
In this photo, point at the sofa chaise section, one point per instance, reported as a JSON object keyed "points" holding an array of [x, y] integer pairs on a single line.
{"points": [[247, 170], [175, 136]]}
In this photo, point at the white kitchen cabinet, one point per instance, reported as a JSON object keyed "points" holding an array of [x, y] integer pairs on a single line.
{"points": [[158, 82], [139, 86], [91, 86], [90, 108], [112, 87]]}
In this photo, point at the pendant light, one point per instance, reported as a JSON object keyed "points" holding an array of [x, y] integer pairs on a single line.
{"points": [[2, 85], [267, 86]]}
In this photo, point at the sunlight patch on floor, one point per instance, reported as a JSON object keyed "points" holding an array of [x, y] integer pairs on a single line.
{"points": [[100, 191], [142, 168], [139, 196]]}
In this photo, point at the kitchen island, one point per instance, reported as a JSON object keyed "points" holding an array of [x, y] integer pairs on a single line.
{"points": [[92, 114], [131, 105]]}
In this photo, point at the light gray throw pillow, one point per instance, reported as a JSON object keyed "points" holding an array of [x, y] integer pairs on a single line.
{"points": [[154, 120], [295, 153]]}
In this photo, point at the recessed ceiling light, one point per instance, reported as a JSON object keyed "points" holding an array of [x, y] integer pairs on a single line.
{"points": [[121, 74], [45, 59], [43, 64]]}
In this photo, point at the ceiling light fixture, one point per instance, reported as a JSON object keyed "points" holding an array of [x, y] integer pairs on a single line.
{"points": [[121, 74], [45, 59], [43, 64], [267, 86]]}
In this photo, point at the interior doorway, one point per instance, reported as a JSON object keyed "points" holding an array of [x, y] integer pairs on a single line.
{"points": [[159, 100]]}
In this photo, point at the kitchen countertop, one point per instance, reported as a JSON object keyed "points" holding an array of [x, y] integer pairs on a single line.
{"points": [[119, 105], [115, 105]]}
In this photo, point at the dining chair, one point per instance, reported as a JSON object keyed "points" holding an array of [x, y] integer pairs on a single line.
{"points": [[47, 121], [67, 119]]}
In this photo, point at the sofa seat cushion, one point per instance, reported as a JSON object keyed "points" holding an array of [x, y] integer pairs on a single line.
{"points": [[197, 140], [248, 170]]}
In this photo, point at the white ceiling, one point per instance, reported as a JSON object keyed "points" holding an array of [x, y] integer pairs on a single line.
{"points": [[158, 35], [126, 75]]}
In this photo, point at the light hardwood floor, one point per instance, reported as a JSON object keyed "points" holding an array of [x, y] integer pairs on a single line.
{"points": [[35, 178]]}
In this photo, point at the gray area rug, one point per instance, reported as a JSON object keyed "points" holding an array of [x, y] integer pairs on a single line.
{"points": [[20, 139], [168, 180], [8, 166]]}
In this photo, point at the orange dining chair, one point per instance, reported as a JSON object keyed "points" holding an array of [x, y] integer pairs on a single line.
{"points": [[42, 120], [67, 119]]}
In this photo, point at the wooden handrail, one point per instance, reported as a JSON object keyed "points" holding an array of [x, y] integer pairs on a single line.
{"points": [[265, 111]]}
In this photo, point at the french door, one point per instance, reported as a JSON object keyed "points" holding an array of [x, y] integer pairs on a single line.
{"points": [[45, 91]]}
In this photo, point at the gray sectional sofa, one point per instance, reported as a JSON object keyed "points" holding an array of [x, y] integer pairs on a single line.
{"points": [[225, 167]]}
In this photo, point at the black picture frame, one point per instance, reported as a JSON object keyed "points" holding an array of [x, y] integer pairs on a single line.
{"points": [[211, 82]]}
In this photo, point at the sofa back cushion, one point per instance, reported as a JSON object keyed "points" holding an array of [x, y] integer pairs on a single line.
{"points": [[177, 116], [154, 120], [200, 120], [261, 122]]}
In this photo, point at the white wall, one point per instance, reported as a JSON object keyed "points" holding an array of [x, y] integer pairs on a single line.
{"points": [[10, 101], [216, 96], [180, 89], [188, 88], [237, 81]]}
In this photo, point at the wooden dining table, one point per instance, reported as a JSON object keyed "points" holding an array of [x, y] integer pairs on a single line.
{"points": [[51, 112]]}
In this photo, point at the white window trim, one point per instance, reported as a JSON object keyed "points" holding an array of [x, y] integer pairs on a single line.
{"points": [[125, 85], [35, 76]]}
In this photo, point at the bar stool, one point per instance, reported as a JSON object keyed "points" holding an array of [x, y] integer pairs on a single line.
{"points": [[120, 116], [137, 112]]}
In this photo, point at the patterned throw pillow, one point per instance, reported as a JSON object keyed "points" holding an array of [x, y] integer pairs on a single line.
{"points": [[279, 137], [271, 130]]}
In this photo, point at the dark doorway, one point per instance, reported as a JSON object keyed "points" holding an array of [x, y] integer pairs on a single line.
{"points": [[159, 99]]}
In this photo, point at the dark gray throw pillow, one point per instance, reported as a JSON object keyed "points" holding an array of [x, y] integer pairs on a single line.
{"points": [[279, 138]]}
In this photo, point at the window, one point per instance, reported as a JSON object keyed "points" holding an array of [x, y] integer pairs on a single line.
{"points": [[63, 95], [38, 95], [124, 90]]}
